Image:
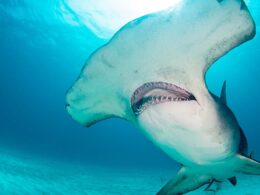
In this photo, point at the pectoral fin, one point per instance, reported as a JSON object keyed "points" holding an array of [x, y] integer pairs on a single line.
{"points": [[184, 182], [248, 166]]}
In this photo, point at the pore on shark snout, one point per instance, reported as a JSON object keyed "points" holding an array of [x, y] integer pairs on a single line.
{"points": [[152, 72]]}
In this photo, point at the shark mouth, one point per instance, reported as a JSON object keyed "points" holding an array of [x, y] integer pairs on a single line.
{"points": [[153, 93]]}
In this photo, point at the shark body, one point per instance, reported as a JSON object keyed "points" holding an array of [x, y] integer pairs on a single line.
{"points": [[152, 73]]}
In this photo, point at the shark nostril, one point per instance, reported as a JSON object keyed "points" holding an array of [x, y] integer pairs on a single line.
{"points": [[67, 105]]}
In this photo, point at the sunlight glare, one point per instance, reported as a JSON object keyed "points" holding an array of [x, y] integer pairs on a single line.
{"points": [[105, 17]]}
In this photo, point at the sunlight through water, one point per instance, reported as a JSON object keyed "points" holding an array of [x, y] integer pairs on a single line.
{"points": [[107, 16]]}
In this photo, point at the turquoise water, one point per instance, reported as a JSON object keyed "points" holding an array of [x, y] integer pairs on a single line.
{"points": [[43, 46]]}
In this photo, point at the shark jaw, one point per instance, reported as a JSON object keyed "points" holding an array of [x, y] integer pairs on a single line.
{"points": [[153, 93]]}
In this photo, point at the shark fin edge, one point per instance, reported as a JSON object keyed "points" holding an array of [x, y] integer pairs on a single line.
{"points": [[184, 182]]}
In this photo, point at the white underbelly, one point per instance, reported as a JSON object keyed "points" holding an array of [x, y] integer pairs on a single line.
{"points": [[186, 133]]}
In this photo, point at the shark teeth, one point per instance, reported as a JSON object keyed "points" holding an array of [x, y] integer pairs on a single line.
{"points": [[157, 92]]}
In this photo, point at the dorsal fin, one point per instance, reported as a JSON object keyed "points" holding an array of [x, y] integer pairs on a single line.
{"points": [[223, 95]]}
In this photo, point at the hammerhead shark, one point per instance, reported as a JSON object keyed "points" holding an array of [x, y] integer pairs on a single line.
{"points": [[152, 73]]}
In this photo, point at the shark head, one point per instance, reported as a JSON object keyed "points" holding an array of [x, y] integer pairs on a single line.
{"points": [[152, 72], [158, 61]]}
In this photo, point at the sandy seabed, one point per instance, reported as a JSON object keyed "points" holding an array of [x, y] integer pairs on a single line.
{"points": [[26, 176]]}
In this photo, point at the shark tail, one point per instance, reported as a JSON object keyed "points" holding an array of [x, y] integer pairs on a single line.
{"points": [[249, 166], [184, 182]]}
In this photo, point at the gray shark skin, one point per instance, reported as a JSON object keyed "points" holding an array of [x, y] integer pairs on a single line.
{"points": [[152, 73]]}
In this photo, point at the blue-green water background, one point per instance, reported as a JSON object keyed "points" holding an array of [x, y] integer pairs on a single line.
{"points": [[41, 55]]}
